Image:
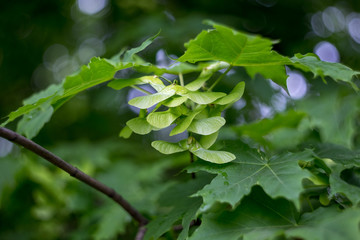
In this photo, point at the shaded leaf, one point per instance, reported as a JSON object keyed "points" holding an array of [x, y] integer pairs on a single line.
{"points": [[182, 206], [334, 115], [32, 122], [283, 130], [280, 175], [257, 217], [337, 71], [338, 185]]}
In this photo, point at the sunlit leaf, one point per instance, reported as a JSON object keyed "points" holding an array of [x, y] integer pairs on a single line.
{"points": [[139, 125], [184, 123], [233, 96], [125, 132], [204, 97], [162, 119], [169, 148], [154, 81], [175, 101], [218, 157], [147, 101], [206, 126], [205, 75], [207, 141], [238, 49]]}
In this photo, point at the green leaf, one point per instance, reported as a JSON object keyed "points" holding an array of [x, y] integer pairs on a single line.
{"points": [[99, 70], [125, 132], [212, 156], [206, 126], [233, 96], [32, 122], [207, 141], [238, 49], [175, 101], [328, 224], [129, 55], [260, 217], [283, 130], [279, 176], [147, 101], [205, 75], [37, 100], [139, 125], [162, 119], [169, 148], [204, 97], [113, 222], [337, 71], [338, 185], [182, 206], [154, 81], [185, 123], [257, 217], [334, 115], [338, 154]]}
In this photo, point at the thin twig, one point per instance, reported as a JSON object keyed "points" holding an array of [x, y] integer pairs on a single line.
{"points": [[179, 228], [141, 233], [73, 171], [193, 175], [181, 78]]}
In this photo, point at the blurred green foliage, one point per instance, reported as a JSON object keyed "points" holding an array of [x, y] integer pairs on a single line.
{"points": [[43, 41]]}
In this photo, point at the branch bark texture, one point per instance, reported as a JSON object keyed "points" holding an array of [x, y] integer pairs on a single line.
{"points": [[73, 171]]}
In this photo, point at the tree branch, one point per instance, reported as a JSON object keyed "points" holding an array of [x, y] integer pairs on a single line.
{"points": [[73, 171]]}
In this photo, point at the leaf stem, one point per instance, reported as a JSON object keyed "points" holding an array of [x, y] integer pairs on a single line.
{"points": [[141, 90], [73, 171], [181, 79], [219, 78]]}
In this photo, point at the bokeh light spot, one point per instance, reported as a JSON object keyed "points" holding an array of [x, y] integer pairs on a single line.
{"points": [[91, 6], [327, 52], [354, 27], [296, 84]]}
